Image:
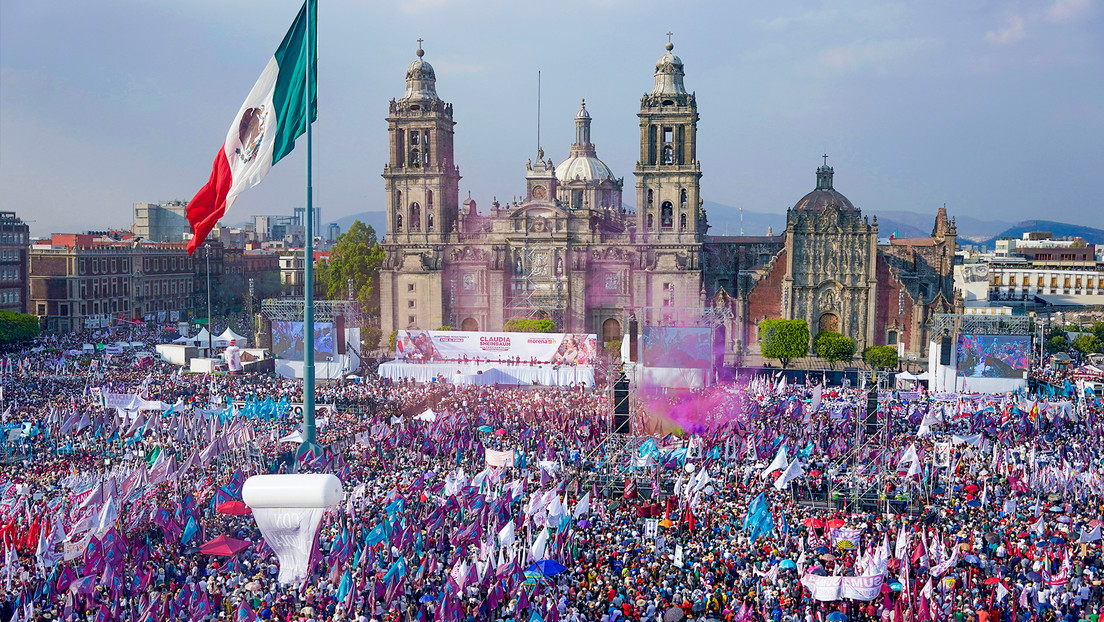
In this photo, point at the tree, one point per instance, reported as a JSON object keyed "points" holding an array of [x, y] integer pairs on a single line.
{"points": [[1086, 343], [880, 357], [784, 340], [832, 346], [1097, 329], [371, 336], [444, 327], [529, 325], [357, 256], [613, 349], [1056, 344], [17, 327], [391, 339]]}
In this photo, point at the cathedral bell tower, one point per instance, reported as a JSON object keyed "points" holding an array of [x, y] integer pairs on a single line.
{"points": [[668, 174], [421, 178]]}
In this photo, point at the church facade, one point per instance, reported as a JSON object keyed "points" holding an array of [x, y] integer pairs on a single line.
{"points": [[571, 251]]}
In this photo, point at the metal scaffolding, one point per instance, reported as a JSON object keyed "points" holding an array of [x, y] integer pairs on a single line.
{"points": [[291, 310], [538, 291], [954, 324]]}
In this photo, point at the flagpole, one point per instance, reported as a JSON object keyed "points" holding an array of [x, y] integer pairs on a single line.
{"points": [[309, 446]]}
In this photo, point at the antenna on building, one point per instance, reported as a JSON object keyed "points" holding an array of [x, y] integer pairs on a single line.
{"points": [[538, 109], [741, 221]]}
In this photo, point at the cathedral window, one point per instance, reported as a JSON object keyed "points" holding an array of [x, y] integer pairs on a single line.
{"points": [[667, 215], [400, 146], [425, 148], [668, 154], [650, 223], [576, 199], [429, 221], [429, 199], [682, 199], [682, 222], [415, 217], [398, 222], [651, 199], [415, 153], [892, 340]]}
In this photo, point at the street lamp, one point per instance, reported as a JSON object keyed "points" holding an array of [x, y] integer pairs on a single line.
{"points": [[210, 326]]}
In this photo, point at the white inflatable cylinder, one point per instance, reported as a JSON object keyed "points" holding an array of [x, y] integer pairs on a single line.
{"points": [[306, 490], [288, 510]]}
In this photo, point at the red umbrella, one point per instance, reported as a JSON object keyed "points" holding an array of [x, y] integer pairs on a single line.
{"points": [[814, 473], [814, 523], [836, 523], [235, 507], [972, 488], [992, 581], [224, 546]]}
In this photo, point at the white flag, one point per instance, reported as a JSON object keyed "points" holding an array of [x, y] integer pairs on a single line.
{"points": [[1092, 536], [777, 464], [792, 472]]}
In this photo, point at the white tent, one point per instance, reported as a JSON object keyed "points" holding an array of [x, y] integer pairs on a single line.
{"points": [[230, 336], [294, 437], [428, 415]]}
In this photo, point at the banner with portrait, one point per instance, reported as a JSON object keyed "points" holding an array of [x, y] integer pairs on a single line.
{"points": [[543, 348]]}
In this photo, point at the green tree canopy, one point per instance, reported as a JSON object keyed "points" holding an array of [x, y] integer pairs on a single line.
{"points": [[529, 325], [832, 346], [880, 357], [784, 340], [1086, 343], [1057, 344], [17, 327], [356, 255]]}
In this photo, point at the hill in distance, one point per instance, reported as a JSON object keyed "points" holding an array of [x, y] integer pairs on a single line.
{"points": [[1091, 235], [725, 220]]}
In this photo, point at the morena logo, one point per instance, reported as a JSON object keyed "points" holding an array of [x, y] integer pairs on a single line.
{"points": [[544, 340]]}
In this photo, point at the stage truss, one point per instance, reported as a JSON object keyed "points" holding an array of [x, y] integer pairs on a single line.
{"points": [[954, 324], [540, 291], [291, 310]]}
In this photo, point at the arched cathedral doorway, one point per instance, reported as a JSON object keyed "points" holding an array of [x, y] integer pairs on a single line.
{"points": [[828, 321], [469, 324], [611, 330]]}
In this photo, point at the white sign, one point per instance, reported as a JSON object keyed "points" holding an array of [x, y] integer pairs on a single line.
{"points": [[839, 588], [545, 348], [678, 557], [651, 527]]}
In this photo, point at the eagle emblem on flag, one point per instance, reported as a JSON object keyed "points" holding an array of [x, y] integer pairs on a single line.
{"points": [[251, 130]]}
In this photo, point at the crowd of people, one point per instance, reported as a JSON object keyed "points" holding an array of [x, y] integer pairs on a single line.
{"points": [[759, 500]]}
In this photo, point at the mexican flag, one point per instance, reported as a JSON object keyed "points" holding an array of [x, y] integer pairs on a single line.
{"points": [[265, 128]]}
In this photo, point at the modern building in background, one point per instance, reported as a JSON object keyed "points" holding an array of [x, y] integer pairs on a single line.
{"points": [[1035, 271], [568, 250], [161, 222], [14, 240]]}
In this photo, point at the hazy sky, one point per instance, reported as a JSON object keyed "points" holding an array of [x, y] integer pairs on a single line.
{"points": [[995, 108]]}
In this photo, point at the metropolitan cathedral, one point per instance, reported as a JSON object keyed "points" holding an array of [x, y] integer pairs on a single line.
{"points": [[569, 250]]}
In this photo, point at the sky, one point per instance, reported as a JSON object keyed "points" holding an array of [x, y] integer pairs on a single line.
{"points": [[994, 108]]}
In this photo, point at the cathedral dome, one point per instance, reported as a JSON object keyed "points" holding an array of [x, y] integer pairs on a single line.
{"points": [[582, 167], [583, 164], [669, 74], [825, 195], [420, 79]]}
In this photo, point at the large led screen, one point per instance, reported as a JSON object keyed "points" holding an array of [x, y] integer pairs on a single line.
{"points": [[993, 356], [287, 340], [676, 346]]}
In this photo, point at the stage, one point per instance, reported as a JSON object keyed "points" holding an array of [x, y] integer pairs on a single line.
{"points": [[547, 375]]}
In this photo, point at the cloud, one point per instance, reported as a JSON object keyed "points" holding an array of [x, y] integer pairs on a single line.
{"points": [[854, 56], [1012, 32], [781, 22], [1062, 10]]}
